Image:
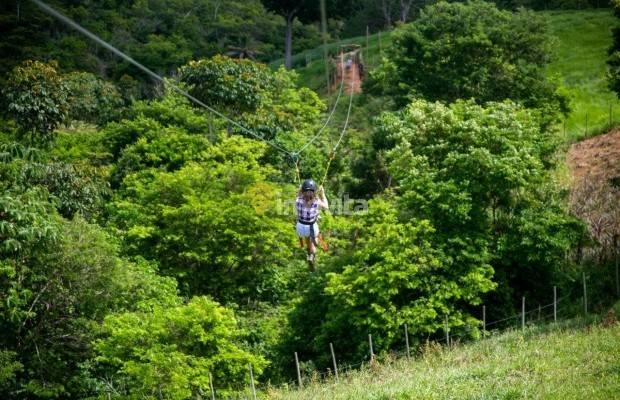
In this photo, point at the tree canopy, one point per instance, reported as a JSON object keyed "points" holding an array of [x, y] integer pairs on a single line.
{"points": [[613, 61], [481, 175], [471, 50], [152, 247]]}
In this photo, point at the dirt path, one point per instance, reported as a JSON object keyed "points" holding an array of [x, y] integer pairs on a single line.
{"points": [[352, 75]]}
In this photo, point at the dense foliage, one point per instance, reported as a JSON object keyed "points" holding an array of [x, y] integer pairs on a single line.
{"points": [[36, 98], [614, 55], [160, 35], [481, 175], [147, 247], [471, 50]]}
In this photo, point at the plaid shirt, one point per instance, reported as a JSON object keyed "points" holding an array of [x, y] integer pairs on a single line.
{"points": [[307, 214]]}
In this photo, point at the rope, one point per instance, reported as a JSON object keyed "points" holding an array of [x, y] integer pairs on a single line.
{"points": [[329, 162], [346, 124], [298, 174]]}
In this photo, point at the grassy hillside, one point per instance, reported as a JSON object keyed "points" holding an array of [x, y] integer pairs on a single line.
{"points": [[565, 361], [584, 37], [583, 40]]}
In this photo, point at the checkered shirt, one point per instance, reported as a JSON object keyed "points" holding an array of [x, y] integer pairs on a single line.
{"points": [[307, 214]]}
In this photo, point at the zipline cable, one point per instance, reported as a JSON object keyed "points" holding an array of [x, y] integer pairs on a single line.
{"points": [[346, 124], [113, 49], [332, 155], [326, 122], [127, 58]]}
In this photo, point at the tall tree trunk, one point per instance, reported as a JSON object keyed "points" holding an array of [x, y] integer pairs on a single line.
{"points": [[288, 40], [405, 8], [387, 12]]}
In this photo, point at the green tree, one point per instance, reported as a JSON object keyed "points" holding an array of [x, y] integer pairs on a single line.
{"points": [[58, 279], [613, 61], [263, 104], [388, 273], [160, 35], [56, 295], [471, 50], [144, 119], [36, 97], [91, 99], [71, 188], [233, 85], [481, 176], [171, 352], [213, 225]]}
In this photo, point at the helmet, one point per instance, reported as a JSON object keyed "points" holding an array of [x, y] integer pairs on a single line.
{"points": [[308, 184]]}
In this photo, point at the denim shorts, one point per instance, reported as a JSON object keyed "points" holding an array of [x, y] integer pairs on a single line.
{"points": [[304, 230]]}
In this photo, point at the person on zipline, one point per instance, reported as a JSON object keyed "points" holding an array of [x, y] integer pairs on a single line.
{"points": [[348, 64], [307, 205]]}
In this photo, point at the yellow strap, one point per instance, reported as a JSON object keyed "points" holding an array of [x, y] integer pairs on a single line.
{"points": [[329, 162], [297, 169]]}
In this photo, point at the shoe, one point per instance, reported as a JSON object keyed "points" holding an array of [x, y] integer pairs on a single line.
{"points": [[311, 262]]}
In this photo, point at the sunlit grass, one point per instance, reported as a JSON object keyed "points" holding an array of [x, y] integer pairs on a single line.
{"points": [[584, 39], [557, 362]]}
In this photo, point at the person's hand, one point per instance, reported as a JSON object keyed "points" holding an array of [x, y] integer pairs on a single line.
{"points": [[320, 191]]}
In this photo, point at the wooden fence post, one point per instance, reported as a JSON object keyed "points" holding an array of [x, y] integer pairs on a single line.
{"points": [[407, 342], [523, 314], [555, 305], [372, 354], [301, 386], [331, 347], [585, 295], [252, 381], [564, 130], [447, 332], [617, 275], [484, 322]]}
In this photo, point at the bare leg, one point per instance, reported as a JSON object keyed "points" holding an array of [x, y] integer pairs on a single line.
{"points": [[310, 245], [311, 251]]}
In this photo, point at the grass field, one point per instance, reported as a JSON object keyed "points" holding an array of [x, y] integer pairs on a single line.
{"points": [[571, 360], [584, 38]]}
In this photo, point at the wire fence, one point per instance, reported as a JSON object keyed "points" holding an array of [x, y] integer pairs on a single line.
{"points": [[591, 123], [558, 309]]}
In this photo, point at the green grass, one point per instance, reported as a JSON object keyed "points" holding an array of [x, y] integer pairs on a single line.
{"points": [[584, 38], [564, 361]]}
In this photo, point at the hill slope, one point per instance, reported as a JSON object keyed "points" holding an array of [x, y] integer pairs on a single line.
{"points": [[594, 165], [583, 40], [564, 364]]}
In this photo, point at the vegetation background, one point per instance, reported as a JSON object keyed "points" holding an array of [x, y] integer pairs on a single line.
{"points": [[146, 240]]}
